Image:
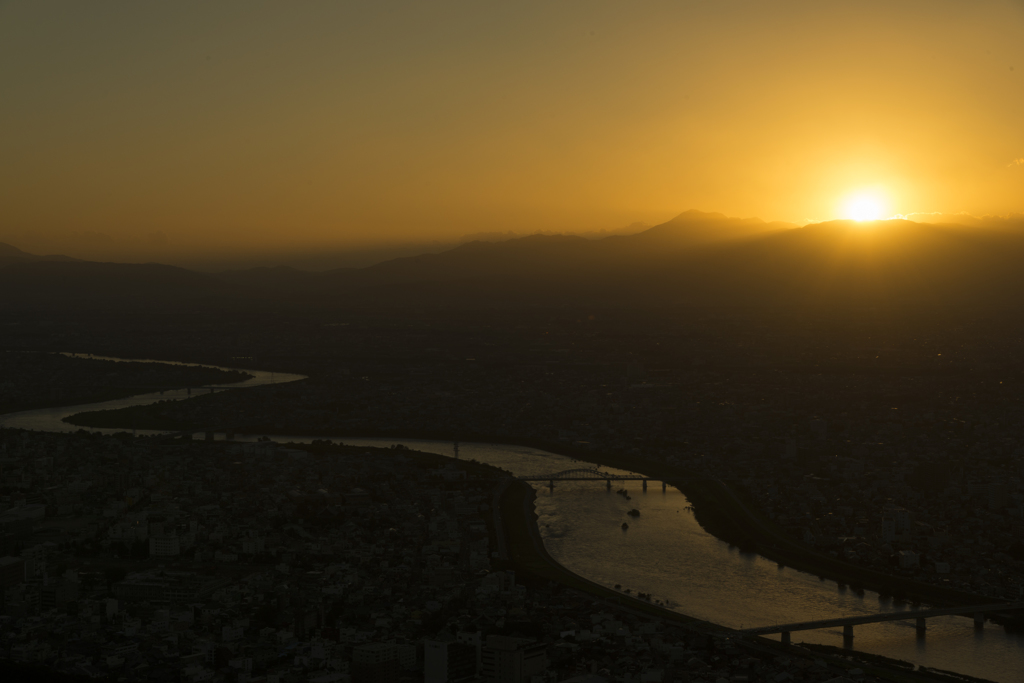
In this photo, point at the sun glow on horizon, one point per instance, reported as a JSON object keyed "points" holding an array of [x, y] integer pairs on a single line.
{"points": [[864, 206]]}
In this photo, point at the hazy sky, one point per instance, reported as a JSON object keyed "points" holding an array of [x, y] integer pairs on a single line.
{"points": [[204, 125]]}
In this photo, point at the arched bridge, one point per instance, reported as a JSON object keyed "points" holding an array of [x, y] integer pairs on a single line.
{"points": [[586, 474]]}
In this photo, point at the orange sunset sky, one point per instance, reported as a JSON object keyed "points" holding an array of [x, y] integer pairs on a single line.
{"points": [[151, 129]]}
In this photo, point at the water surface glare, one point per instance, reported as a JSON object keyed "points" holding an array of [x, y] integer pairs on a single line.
{"points": [[52, 419], [667, 554]]}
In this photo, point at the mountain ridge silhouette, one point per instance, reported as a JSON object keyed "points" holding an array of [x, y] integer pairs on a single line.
{"points": [[10, 255], [695, 258]]}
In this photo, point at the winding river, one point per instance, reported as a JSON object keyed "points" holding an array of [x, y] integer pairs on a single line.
{"points": [[665, 553]]}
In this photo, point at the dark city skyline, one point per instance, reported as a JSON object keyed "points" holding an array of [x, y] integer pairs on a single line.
{"points": [[561, 342]]}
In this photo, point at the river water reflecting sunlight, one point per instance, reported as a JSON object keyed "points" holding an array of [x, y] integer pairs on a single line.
{"points": [[665, 553]]}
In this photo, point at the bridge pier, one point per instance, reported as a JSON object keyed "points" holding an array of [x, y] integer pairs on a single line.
{"points": [[664, 487], [209, 436], [920, 618], [551, 485], [786, 638], [230, 435], [585, 475]]}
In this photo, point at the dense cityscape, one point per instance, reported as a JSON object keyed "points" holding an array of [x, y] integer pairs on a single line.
{"points": [[512, 342], [173, 558], [900, 454]]}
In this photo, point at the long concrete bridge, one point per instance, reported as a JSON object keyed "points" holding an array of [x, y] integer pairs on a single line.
{"points": [[978, 611], [587, 474]]}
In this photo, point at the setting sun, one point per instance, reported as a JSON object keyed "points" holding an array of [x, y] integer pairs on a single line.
{"points": [[863, 207]]}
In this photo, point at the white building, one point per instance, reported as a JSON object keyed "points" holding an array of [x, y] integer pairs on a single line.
{"points": [[252, 546], [164, 546]]}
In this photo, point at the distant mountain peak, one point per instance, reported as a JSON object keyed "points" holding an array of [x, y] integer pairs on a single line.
{"points": [[9, 250], [10, 254], [696, 215]]}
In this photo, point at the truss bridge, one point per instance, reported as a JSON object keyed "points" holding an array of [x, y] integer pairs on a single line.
{"points": [[587, 474]]}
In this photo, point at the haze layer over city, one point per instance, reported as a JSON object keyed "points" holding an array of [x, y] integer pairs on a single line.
{"points": [[566, 342]]}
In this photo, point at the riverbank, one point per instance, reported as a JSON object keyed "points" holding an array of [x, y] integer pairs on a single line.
{"points": [[72, 380], [532, 562], [709, 506], [722, 512], [528, 555], [719, 509]]}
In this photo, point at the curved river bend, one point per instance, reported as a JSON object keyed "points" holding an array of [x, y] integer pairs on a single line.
{"points": [[667, 554]]}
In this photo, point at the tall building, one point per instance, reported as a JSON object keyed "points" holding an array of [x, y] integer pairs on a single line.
{"points": [[909, 559], [791, 449], [474, 640], [998, 495], [448, 661], [512, 660], [374, 663], [888, 529], [12, 571], [902, 521], [21, 600], [56, 594]]}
